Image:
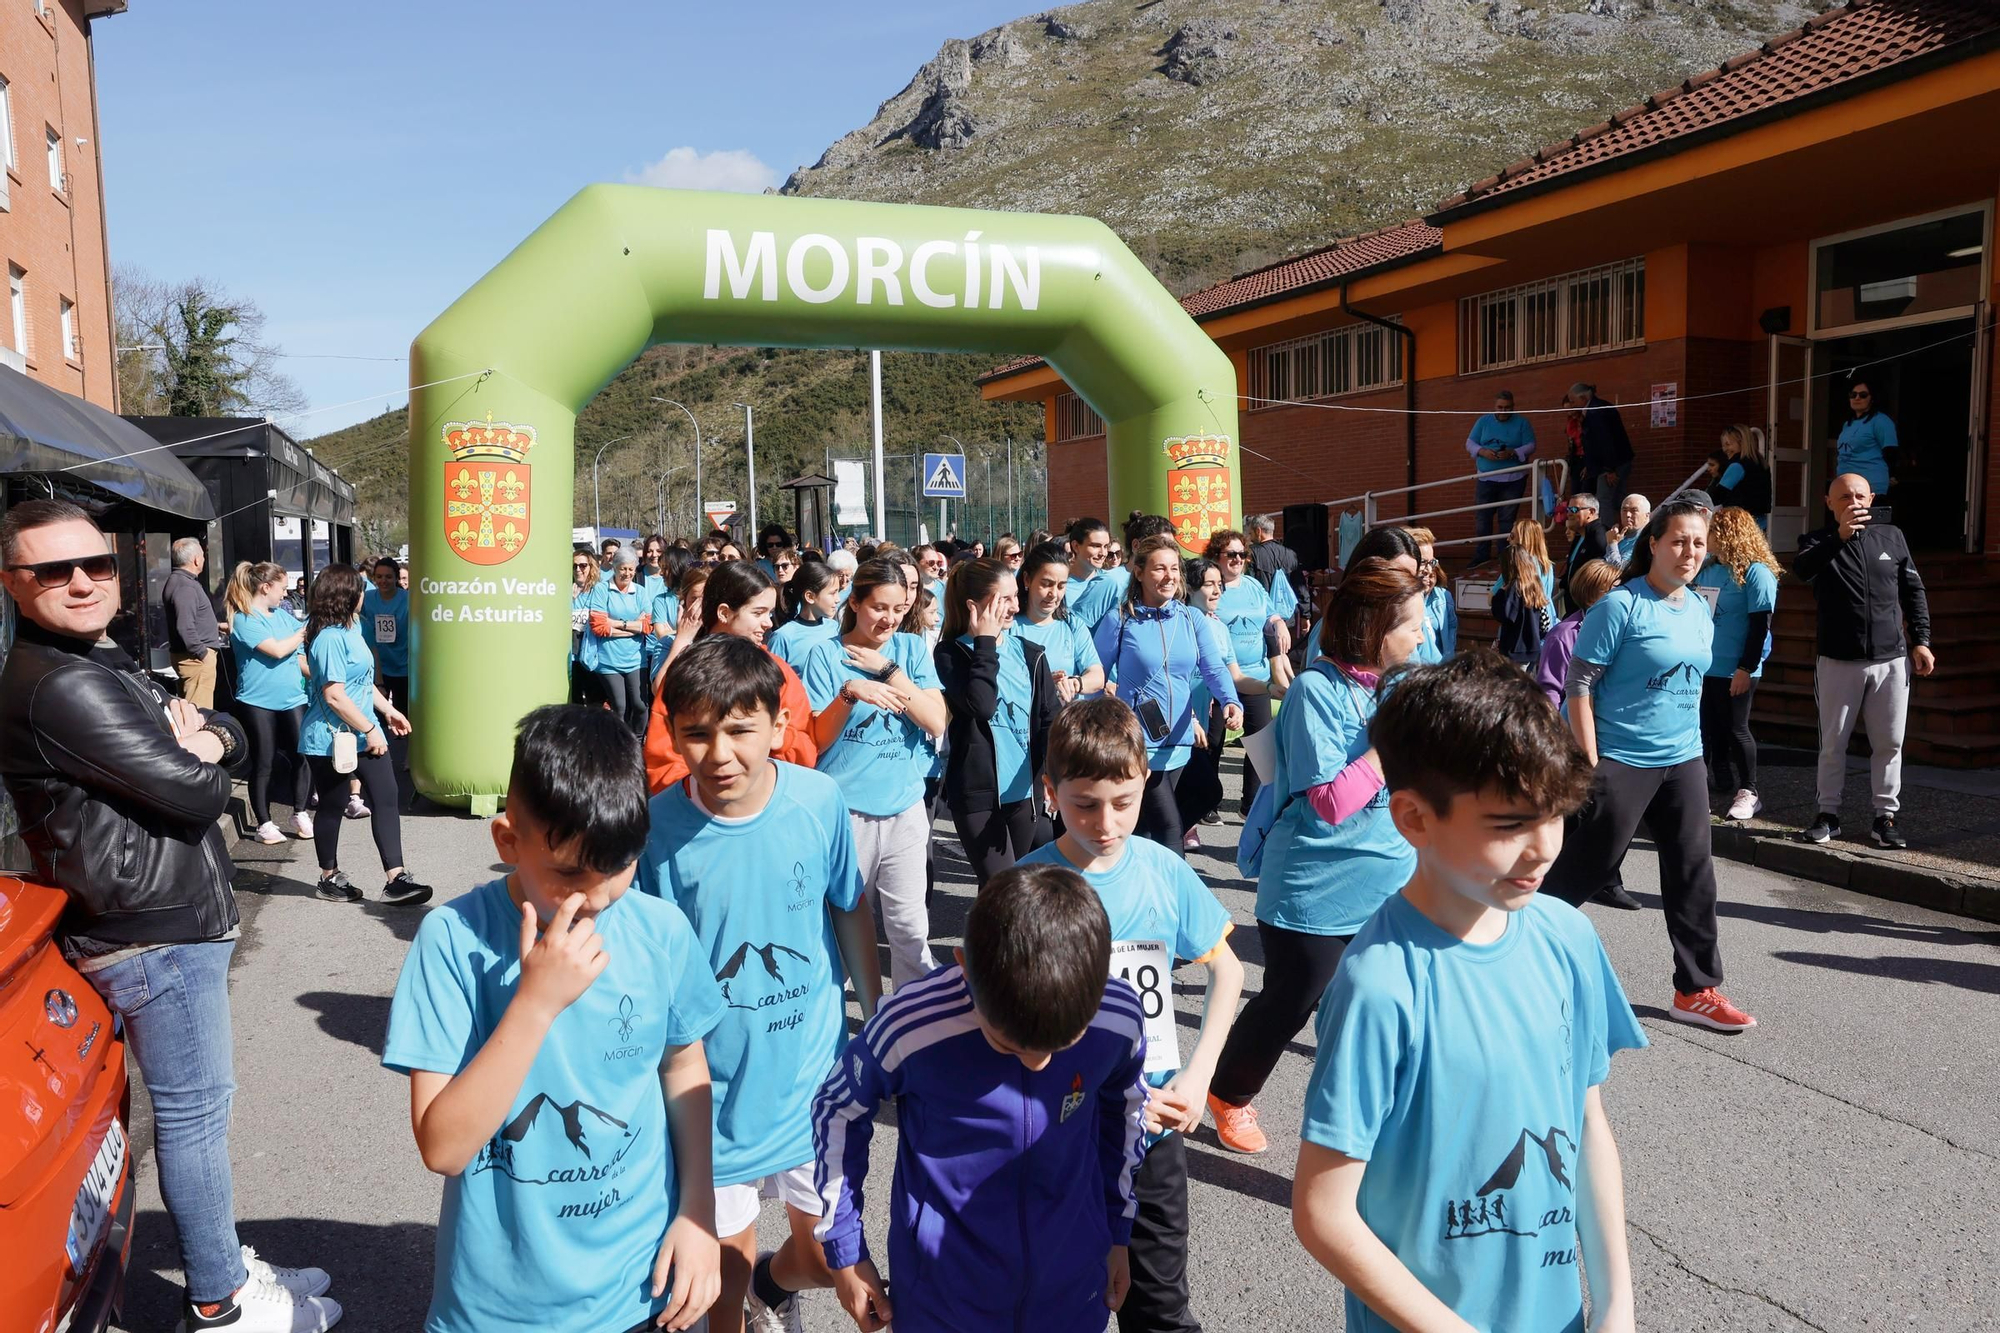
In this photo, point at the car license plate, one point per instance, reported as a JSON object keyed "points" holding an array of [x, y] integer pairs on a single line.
{"points": [[92, 1214]]}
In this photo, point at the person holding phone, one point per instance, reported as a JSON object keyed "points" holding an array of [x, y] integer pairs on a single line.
{"points": [[1001, 698], [346, 731], [1152, 647]]}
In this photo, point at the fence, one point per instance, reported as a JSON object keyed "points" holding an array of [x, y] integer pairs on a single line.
{"points": [[990, 507]]}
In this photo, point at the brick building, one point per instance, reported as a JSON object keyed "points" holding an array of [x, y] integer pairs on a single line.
{"points": [[1739, 242], [57, 328]]}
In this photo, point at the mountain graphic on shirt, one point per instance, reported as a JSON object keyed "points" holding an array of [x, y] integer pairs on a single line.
{"points": [[571, 1117], [557, 1143], [1549, 1152], [740, 981], [1667, 677]]}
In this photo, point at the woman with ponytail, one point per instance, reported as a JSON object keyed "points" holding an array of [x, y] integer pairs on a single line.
{"points": [[810, 602], [265, 640], [738, 599], [1745, 482]]}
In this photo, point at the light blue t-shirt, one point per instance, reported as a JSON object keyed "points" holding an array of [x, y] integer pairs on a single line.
{"points": [[1090, 600], [759, 893], [1218, 636], [666, 618], [621, 654], [1735, 603], [794, 641], [880, 759], [1321, 878], [1548, 588], [1648, 705], [1065, 640], [385, 621], [1863, 445], [585, 649], [1514, 434], [338, 654], [1245, 608], [1458, 1073], [557, 1221], [1440, 628], [1013, 775], [1152, 897], [265, 682]]}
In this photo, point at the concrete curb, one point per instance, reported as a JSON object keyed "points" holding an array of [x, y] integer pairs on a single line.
{"points": [[1878, 876]]}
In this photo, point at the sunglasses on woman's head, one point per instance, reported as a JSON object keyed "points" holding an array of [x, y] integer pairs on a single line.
{"points": [[55, 573]]}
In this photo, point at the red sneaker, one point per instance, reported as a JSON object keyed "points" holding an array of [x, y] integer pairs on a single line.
{"points": [[1236, 1127], [1710, 1008]]}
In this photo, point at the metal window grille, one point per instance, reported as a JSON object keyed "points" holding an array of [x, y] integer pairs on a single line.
{"points": [[1593, 310], [1075, 420], [1351, 359]]}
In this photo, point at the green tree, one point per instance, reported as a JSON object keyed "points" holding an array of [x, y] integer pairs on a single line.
{"points": [[189, 349]]}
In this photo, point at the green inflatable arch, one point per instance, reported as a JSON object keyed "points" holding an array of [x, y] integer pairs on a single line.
{"points": [[620, 268]]}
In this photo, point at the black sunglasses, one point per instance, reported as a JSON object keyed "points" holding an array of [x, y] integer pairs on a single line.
{"points": [[55, 573], [1859, 393]]}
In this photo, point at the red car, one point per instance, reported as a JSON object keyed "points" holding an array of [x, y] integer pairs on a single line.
{"points": [[66, 1186]]}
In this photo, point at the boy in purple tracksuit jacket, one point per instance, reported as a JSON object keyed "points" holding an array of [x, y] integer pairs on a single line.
{"points": [[1020, 1074]]}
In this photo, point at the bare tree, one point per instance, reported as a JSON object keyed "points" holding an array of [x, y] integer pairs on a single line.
{"points": [[189, 348]]}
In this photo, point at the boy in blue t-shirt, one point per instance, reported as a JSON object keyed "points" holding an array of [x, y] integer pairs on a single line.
{"points": [[551, 1024], [1457, 1159], [760, 855], [1161, 913]]}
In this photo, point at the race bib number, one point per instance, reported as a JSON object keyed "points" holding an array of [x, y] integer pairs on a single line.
{"points": [[1148, 967], [385, 628], [1711, 596]]}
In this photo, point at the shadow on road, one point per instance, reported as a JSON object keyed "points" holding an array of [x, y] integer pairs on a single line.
{"points": [[1983, 978], [1208, 1163], [361, 1020], [1818, 922], [381, 1274]]}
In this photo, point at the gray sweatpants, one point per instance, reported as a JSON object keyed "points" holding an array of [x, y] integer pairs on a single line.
{"points": [[893, 852], [1877, 694]]}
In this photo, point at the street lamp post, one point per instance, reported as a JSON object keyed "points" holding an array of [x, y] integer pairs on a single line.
{"points": [[660, 494], [596, 506], [697, 455], [750, 452], [942, 502]]}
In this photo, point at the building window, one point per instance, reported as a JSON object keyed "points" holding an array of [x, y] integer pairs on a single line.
{"points": [[1351, 359], [1075, 420], [56, 179], [1909, 272], [71, 348], [17, 301], [1595, 310], [7, 154]]}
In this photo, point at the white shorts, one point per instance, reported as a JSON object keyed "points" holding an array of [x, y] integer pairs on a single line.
{"points": [[736, 1205]]}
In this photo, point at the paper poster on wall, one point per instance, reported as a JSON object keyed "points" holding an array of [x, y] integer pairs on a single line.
{"points": [[850, 493], [1666, 405]]}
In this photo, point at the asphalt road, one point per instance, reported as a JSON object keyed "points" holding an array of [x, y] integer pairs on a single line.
{"points": [[1836, 1168]]}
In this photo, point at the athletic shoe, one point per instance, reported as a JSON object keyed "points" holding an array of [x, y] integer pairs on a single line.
{"points": [[761, 1318], [302, 1281], [1191, 841], [404, 891], [302, 824], [1615, 896], [1885, 834], [336, 888], [1212, 817], [268, 833], [263, 1306], [356, 807], [1710, 1008], [1745, 806], [1824, 828], [1236, 1127]]}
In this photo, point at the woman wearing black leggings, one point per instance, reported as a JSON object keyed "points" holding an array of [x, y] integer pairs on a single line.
{"points": [[264, 640], [1740, 581], [1002, 699], [343, 701]]}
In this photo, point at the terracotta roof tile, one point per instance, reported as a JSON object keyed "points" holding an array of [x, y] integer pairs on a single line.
{"points": [[1343, 259], [1860, 38]]}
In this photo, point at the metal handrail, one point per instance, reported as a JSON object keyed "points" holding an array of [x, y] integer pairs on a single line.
{"points": [[1533, 467]]}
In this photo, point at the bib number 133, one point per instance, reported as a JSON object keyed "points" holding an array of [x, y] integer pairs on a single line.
{"points": [[1147, 966]]}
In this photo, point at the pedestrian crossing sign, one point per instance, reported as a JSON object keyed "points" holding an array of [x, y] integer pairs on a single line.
{"points": [[944, 476]]}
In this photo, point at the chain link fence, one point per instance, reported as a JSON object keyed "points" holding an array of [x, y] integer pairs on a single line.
{"points": [[1006, 490]]}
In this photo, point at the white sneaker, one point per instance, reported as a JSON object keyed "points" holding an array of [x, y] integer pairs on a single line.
{"points": [[263, 1306], [1746, 805], [303, 1281], [268, 833], [302, 824], [761, 1318], [356, 807]]}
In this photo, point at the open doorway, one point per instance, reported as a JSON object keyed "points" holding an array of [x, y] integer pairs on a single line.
{"points": [[1922, 379]]}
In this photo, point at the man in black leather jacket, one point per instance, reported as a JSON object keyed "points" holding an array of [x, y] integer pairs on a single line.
{"points": [[118, 786]]}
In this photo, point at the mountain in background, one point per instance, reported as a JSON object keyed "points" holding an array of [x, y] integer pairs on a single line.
{"points": [[1213, 135]]}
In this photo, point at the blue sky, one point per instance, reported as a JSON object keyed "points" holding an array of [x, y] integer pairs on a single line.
{"points": [[353, 166]]}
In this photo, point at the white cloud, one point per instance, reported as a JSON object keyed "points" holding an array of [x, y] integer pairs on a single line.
{"points": [[725, 169]]}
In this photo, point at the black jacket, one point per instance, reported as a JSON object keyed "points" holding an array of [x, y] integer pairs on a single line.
{"points": [[1867, 588], [971, 681], [1272, 560], [1606, 446], [113, 810], [1589, 545], [1752, 494], [191, 619]]}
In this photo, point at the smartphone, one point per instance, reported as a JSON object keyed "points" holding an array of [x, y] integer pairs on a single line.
{"points": [[1153, 718]]}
